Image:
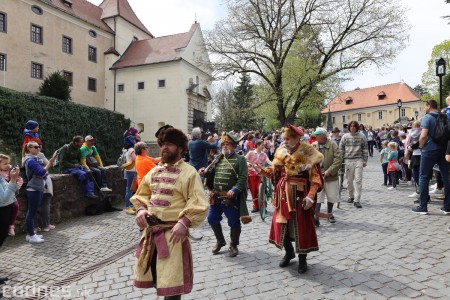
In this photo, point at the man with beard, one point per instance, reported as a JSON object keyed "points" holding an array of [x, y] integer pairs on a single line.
{"points": [[169, 200], [226, 179], [297, 174]]}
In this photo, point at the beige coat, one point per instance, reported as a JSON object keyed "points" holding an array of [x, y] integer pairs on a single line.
{"points": [[332, 159]]}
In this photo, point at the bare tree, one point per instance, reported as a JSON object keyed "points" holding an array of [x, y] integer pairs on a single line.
{"points": [[343, 36]]}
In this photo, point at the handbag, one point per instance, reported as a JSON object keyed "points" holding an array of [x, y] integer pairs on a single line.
{"points": [[134, 185]]}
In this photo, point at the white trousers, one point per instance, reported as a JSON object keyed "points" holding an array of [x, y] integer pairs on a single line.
{"points": [[354, 171]]}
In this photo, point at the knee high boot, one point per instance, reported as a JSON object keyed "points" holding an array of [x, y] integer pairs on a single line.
{"points": [[234, 235], [302, 265], [217, 228], [316, 218], [290, 252]]}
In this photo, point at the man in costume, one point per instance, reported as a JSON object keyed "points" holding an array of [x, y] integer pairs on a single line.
{"points": [[169, 200], [226, 179], [296, 170]]}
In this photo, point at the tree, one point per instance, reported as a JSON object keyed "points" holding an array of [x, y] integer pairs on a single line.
{"points": [[342, 36], [429, 78], [56, 86], [243, 97], [421, 89]]}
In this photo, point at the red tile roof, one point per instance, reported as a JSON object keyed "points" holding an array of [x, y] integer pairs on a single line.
{"points": [[156, 50], [81, 9], [113, 8], [369, 97]]}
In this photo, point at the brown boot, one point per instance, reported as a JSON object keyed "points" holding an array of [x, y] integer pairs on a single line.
{"points": [[217, 228], [234, 234]]}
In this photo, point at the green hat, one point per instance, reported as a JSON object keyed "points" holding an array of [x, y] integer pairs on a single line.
{"points": [[229, 137], [319, 131]]}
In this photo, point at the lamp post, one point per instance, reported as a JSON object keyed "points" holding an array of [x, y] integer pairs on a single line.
{"points": [[416, 113], [440, 71], [399, 105]]}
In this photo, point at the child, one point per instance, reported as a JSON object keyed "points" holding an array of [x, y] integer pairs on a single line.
{"points": [[5, 168], [384, 154], [30, 133], [392, 170]]}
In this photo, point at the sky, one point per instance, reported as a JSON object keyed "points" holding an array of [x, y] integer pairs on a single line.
{"points": [[427, 30]]}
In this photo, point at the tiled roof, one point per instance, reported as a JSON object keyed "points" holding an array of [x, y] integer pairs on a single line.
{"points": [[156, 50], [81, 9], [112, 8], [369, 97]]}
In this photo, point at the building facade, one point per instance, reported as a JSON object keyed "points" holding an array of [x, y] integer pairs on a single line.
{"points": [[109, 57], [376, 106]]}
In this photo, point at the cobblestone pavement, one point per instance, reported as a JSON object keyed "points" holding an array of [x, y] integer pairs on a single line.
{"points": [[380, 251]]}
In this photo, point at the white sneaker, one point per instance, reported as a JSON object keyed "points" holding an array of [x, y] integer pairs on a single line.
{"points": [[392, 188], [433, 187], [106, 189], [35, 239], [437, 192], [409, 183], [414, 195], [27, 238]]}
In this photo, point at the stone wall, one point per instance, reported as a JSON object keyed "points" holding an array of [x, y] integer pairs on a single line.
{"points": [[68, 199]]}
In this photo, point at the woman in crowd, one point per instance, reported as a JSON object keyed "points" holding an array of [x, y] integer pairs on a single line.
{"points": [[412, 154], [130, 137], [371, 140], [5, 169], [36, 175], [7, 199]]}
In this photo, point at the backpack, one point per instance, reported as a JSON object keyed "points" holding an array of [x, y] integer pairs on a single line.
{"points": [[58, 155], [122, 159], [441, 133]]}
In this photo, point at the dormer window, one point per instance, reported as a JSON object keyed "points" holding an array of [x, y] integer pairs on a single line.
{"points": [[67, 3], [381, 96], [348, 101]]}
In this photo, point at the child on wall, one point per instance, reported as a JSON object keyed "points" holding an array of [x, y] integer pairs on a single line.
{"points": [[30, 133], [5, 169], [391, 168]]}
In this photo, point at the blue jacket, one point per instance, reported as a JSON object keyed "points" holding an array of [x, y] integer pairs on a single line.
{"points": [[198, 152], [35, 173]]}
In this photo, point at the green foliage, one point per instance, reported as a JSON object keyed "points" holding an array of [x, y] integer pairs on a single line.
{"points": [[429, 78], [59, 121], [421, 89], [56, 86], [446, 86]]}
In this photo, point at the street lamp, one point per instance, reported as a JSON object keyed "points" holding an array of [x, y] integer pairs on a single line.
{"points": [[399, 105], [440, 71], [416, 113], [329, 120]]}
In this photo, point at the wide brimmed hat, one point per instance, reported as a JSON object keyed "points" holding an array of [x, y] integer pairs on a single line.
{"points": [[174, 136]]}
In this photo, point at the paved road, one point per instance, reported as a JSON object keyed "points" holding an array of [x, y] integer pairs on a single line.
{"points": [[378, 252]]}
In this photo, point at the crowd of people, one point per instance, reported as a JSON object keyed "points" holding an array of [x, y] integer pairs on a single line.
{"points": [[205, 176]]}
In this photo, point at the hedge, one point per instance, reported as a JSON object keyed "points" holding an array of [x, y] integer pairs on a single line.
{"points": [[59, 121]]}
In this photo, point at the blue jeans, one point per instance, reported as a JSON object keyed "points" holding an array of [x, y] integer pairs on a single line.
{"points": [[34, 201], [427, 161], [386, 177], [128, 193], [231, 212], [84, 178]]}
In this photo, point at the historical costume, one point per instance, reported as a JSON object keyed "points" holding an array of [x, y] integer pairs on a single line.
{"points": [[173, 193], [228, 176], [297, 175]]}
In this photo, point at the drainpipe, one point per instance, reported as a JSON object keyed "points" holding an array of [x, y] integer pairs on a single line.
{"points": [[114, 86]]}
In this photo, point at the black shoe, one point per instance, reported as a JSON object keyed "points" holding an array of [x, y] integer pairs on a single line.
{"points": [[420, 210], [286, 259], [350, 200], [3, 280], [357, 205], [255, 210], [331, 219], [302, 265], [444, 210]]}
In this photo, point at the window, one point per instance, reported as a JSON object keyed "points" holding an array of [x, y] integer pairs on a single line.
{"points": [[67, 3], [92, 33], [403, 112], [161, 83], [333, 120], [69, 77], [36, 70], [36, 34], [67, 44], [343, 119], [348, 101], [359, 117], [2, 22], [381, 97], [36, 9], [92, 84], [141, 85], [92, 54], [380, 115], [2, 62], [121, 87]]}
